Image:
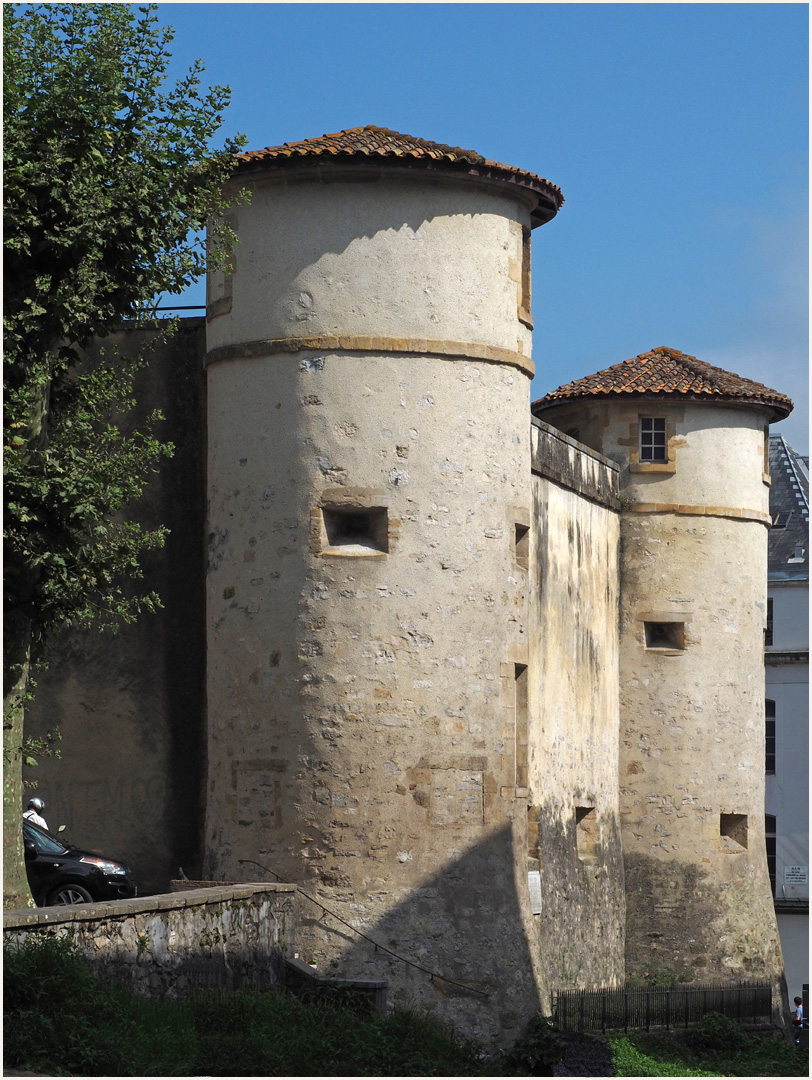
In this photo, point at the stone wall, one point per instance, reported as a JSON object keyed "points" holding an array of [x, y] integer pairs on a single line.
{"points": [[227, 936], [368, 469], [130, 705], [574, 802]]}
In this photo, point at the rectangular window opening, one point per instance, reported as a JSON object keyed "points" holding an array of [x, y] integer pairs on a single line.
{"points": [[521, 544], [781, 519], [586, 833], [733, 831], [653, 446], [525, 315], [520, 724], [532, 832], [356, 530], [768, 630], [770, 838], [769, 733], [665, 635]]}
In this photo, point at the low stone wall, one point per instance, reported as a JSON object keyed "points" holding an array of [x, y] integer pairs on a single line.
{"points": [[225, 936]]}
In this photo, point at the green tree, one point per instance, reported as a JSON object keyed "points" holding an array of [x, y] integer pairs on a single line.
{"points": [[109, 183]]}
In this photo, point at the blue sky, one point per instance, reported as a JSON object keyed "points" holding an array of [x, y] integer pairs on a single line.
{"points": [[677, 132]]}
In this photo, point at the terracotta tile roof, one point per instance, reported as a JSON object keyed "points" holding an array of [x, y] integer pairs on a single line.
{"points": [[377, 141], [381, 143], [670, 373]]}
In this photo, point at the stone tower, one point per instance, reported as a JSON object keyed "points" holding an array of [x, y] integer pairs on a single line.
{"points": [[369, 495], [691, 442]]}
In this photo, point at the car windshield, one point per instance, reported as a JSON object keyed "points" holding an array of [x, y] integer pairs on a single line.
{"points": [[45, 844]]}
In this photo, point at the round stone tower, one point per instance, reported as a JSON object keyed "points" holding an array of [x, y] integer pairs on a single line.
{"points": [[691, 441], [369, 485]]}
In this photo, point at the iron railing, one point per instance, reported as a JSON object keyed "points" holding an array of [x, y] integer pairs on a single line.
{"points": [[641, 1008]]}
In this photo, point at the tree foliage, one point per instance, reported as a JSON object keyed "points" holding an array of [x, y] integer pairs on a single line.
{"points": [[108, 181]]}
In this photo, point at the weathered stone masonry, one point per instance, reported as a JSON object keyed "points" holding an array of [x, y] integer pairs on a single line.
{"points": [[435, 698], [231, 936]]}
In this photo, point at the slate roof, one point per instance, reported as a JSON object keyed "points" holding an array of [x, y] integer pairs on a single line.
{"points": [[377, 143], [668, 373], [789, 509]]}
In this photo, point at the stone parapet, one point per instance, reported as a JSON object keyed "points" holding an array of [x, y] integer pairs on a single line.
{"points": [[168, 944], [566, 461]]}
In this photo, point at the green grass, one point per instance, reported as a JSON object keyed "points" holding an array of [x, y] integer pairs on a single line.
{"points": [[716, 1047]]}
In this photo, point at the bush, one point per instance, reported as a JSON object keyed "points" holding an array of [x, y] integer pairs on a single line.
{"points": [[537, 1051], [716, 1032]]}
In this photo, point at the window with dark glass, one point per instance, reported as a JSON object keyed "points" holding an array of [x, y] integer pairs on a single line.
{"points": [[768, 631], [769, 831], [769, 721], [652, 439]]}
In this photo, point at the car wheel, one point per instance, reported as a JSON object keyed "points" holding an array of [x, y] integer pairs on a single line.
{"points": [[70, 894]]}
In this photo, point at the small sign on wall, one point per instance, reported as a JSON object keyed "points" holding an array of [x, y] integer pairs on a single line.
{"points": [[534, 884], [796, 875]]}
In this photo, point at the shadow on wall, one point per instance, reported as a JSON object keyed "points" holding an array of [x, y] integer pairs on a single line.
{"points": [[130, 705], [464, 933]]}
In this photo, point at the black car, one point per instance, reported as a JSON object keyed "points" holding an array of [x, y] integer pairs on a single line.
{"points": [[59, 873]]}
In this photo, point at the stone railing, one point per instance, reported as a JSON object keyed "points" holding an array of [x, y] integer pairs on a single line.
{"points": [[218, 936]]}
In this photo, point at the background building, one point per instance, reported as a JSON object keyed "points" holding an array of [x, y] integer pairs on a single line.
{"points": [[786, 658]]}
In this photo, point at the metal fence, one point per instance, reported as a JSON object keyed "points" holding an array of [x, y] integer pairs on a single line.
{"points": [[633, 1008]]}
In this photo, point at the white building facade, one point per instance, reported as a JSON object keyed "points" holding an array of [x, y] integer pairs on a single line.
{"points": [[787, 706]]}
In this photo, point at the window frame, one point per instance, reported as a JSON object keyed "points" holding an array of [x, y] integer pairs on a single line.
{"points": [[771, 848], [769, 736], [646, 450]]}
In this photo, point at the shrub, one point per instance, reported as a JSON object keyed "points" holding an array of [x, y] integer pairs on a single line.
{"points": [[537, 1051], [716, 1032]]}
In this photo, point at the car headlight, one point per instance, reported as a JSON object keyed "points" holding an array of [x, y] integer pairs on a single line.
{"points": [[104, 864]]}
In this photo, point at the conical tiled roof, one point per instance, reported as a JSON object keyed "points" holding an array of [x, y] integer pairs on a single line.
{"points": [[380, 143], [377, 141], [668, 373]]}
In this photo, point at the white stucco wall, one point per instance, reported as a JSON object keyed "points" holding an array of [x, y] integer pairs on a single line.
{"points": [[715, 451], [694, 553], [794, 930], [574, 711], [362, 706], [790, 615], [376, 252]]}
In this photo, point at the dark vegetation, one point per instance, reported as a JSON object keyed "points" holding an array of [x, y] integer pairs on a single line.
{"points": [[62, 1019]]}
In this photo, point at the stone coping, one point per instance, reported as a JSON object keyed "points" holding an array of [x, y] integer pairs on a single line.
{"points": [[307, 971], [140, 905]]}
